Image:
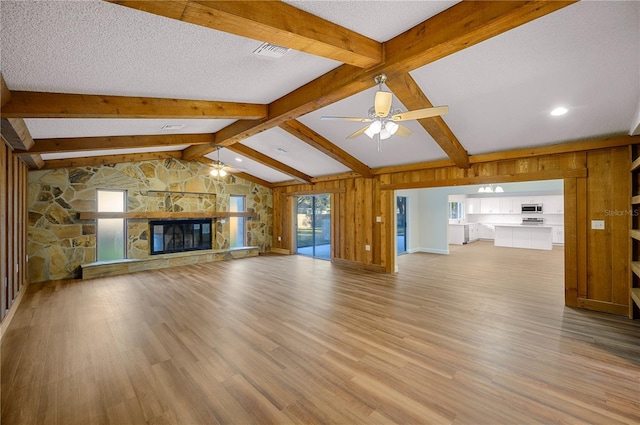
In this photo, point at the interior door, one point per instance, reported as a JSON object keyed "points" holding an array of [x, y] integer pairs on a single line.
{"points": [[313, 226]]}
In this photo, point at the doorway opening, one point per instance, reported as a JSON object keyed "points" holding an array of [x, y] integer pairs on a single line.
{"points": [[313, 226]]}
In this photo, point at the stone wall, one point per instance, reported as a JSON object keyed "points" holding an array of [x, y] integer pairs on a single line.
{"points": [[59, 242]]}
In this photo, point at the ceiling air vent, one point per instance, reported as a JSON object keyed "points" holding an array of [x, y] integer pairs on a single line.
{"points": [[270, 50]]}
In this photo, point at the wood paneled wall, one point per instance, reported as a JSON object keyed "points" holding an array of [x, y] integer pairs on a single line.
{"points": [[596, 188], [13, 229]]}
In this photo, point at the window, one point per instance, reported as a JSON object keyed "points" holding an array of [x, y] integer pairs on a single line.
{"points": [[111, 231], [236, 224], [456, 211]]}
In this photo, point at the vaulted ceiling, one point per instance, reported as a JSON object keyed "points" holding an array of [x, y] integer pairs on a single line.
{"points": [[93, 82]]}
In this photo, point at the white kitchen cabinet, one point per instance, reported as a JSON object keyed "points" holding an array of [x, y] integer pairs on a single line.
{"points": [[472, 205], [486, 231], [490, 205], [531, 199], [510, 205], [504, 236], [474, 231], [553, 204], [557, 234], [457, 234]]}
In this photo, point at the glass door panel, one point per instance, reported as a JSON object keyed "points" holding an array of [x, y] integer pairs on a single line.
{"points": [[313, 226], [401, 220]]}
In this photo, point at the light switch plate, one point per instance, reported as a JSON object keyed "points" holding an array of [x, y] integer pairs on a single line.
{"points": [[597, 224], [378, 219], [367, 247]]}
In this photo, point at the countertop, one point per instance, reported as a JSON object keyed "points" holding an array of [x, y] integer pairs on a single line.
{"points": [[537, 226]]}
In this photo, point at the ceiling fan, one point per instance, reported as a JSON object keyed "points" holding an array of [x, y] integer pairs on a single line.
{"points": [[219, 168], [384, 120]]}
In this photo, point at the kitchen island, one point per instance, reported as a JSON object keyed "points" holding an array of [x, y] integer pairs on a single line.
{"points": [[533, 236]]}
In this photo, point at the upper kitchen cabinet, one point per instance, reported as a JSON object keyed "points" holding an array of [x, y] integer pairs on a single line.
{"points": [[531, 199], [553, 204], [490, 205], [510, 205], [473, 205]]}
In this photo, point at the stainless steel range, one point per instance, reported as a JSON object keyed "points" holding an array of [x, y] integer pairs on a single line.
{"points": [[531, 220]]}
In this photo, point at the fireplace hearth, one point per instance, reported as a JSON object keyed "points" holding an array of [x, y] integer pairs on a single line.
{"points": [[169, 236]]}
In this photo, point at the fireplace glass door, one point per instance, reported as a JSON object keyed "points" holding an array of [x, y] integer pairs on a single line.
{"points": [[170, 236]]}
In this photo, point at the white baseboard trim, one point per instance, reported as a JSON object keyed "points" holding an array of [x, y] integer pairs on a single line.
{"points": [[429, 251]]}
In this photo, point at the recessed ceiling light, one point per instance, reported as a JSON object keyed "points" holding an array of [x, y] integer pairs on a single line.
{"points": [[239, 159], [559, 111], [172, 126]]}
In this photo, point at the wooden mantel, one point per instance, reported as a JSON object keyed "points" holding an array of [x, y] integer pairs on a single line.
{"points": [[86, 215]]}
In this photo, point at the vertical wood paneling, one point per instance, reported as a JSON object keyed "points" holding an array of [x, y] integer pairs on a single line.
{"points": [[570, 242], [10, 230], [3, 228], [618, 218], [581, 236], [599, 246], [13, 227]]}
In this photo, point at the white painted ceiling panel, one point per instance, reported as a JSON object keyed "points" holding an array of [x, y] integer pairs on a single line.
{"points": [[43, 128], [585, 57], [378, 20], [297, 154], [67, 155]]}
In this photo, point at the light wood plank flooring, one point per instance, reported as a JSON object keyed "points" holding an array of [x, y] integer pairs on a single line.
{"points": [[477, 337]]}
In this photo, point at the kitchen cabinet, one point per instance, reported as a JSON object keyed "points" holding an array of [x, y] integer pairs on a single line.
{"points": [[510, 205], [516, 236], [472, 205], [486, 231], [490, 205], [458, 234], [474, 231], [531, 199], [553, 204], [557, 233]]}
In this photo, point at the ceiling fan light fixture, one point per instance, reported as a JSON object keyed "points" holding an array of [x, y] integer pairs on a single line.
{"points": [[374, 128], [391, 127], [385, 134]]}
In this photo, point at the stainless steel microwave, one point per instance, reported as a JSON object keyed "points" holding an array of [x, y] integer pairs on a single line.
{"points": [[531, 208]]}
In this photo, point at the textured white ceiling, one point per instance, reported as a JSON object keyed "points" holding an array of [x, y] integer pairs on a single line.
{"points": [[586, 57]]}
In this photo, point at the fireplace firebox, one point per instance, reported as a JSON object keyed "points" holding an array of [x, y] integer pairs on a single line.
{"points": [[179, 235]]}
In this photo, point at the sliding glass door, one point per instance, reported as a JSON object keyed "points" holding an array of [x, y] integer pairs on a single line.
{"points": [[313, 226], [401, 220]]}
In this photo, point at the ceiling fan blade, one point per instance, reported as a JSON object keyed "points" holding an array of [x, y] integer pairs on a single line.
{"points": [[403, 131], [357, 133], [420, 113], [382, 103], [356, 119]]}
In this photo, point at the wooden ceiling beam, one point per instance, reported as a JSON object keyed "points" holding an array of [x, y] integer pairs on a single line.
{"points": [[96, 161], [461, 26], [15, 133], [269, 162], [310, 137], [76, 144], [63, 105], [411, 96], [274, 22]]}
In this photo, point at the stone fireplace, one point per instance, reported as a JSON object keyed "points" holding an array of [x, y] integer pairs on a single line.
{"points": [[169, 236]]}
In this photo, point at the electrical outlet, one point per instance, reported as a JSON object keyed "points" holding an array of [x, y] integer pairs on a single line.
{"points": [[597, 224], [367, 247], [279, 238], [378, 219]]}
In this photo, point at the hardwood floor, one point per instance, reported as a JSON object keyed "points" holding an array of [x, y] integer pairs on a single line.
{"points": [[477, 337]]}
